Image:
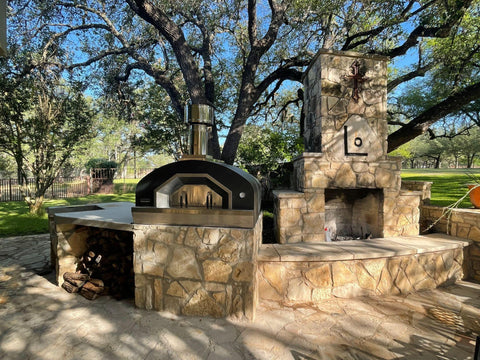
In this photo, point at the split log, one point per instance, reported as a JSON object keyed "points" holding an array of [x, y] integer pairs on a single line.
{"points": [[75, 276], [70, 287], [89, 295], [92, 289], [97, 283], [75, 279]]}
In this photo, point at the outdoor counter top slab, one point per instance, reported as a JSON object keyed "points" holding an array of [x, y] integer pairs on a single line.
{"points": [[115, 215], [360, 249]]}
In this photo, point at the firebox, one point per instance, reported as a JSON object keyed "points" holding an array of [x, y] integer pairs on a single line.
{"points": [[353, 213], [197, 190]]}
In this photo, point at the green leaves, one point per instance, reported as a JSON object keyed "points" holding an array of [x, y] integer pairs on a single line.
{"points": [[268, 147], [42, 119]]}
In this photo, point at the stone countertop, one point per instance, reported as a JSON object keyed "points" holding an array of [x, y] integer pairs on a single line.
{"points": [[115, 215], [360, 249]]}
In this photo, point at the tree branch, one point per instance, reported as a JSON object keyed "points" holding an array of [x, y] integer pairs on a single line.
{"points": [[174, 35], [422, 122], [70, 29], [102, 15], [464, 131], [101, 55], [419, 71], [441, 31], [367, 35], [283, 73], [161, 79], [252, 22]]}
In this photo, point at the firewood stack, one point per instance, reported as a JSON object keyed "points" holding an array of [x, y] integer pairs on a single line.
{"points": [[106, 268], [84, 285]]}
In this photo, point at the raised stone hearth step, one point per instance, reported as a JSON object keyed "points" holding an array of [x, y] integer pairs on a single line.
{"points": [[360, 249], [307, 273]]}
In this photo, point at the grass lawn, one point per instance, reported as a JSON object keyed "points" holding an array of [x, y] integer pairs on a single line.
{"points": [[125, 186], [449, 185], [16, 220]]}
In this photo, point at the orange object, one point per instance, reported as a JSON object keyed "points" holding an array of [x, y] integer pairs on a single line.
{"points": [[475, 195]]}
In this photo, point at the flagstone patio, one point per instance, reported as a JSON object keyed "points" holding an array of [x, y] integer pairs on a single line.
{"points": [[39, 320]]}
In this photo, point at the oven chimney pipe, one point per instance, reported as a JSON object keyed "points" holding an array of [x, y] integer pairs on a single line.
{"points": [[200, 119]]}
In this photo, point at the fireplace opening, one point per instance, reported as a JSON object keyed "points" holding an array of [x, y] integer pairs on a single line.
{"points": [[352, 214]]}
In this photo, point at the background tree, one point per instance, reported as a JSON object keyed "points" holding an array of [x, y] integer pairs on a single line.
{"points": [[236, 55], [268, 148], [443, 151], [407, 152], [454, 150], [267, 153], [450, 89], [42, 121], [135, 137], [161, 132], [470, 146], [7, 166]]}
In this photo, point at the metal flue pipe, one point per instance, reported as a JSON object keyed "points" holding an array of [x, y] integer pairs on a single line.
{"points": [[200, 119]]}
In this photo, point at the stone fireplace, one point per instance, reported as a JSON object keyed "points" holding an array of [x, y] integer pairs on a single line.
{"points": [[346, 186]]}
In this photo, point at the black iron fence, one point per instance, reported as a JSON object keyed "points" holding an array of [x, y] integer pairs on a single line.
{"points": [[61, 188], [98, 181]]}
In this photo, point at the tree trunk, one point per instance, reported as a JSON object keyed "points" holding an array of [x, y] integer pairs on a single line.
{"points": [[232, 141], [213, 143], [36, 205], [470, 160]]}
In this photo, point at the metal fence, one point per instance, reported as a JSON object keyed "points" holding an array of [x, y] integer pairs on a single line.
{"points": [[61, 188], [98, 181]]}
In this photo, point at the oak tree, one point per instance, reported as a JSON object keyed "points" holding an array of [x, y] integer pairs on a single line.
{"points": [[236, 55]]}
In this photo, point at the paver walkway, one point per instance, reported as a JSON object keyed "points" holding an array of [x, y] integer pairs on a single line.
{"points": [[38, 320]]}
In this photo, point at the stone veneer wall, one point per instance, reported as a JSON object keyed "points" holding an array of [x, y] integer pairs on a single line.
{"points": [[68, 244], [424, 187], [300, 282], [329, 105], [300, 215], [463, 223], [198, 271]]}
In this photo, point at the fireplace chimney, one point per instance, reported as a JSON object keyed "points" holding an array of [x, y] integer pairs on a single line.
{"points": [[200, 119]]}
